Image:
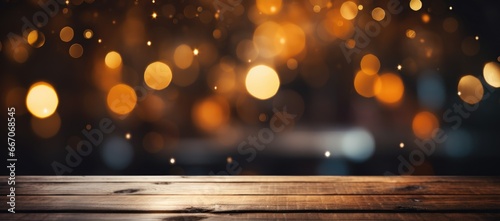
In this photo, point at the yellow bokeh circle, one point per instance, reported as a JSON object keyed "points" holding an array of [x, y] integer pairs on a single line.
{"points": [[158, 75], [262, 82], [42, 100], [121, 99]]}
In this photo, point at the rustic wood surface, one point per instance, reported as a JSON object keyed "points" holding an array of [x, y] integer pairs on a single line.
{"points": [[254, 198]]}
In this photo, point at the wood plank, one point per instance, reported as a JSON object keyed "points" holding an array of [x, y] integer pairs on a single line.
{"points": [[254, 179], [174, 188], [231, 203], [250, 216]]}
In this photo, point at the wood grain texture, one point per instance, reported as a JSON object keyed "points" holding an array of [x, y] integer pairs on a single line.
{"points": [[256, 179], [231, 203], [267, 188], [254, 198], [251, 216]]}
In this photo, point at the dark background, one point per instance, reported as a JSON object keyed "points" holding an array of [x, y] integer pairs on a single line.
{"points": [[334, 106]]}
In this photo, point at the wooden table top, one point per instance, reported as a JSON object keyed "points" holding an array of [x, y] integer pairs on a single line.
{"points": [[254, 197]]}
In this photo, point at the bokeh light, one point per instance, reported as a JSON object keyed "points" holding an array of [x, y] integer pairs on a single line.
{"points": [[491, 74], [470, 89], [183, 56], [211, 113], [430, 90], [365, 84], [117, 153], [174, 74], [337, 26], [370, 64], [88, 34], [269, 38], [350, 43], [104, 77], [349, 10], [317, 8], [378, 14], [269, 7], [358, 145], [292, 64], [66, 34], [76, 50], [294, 40], [157, 75], [113, 59], [391, 88], [20, 54], [42, 100], [423, 125], [415, 5], [410, 33], [262, 117], [217, 34], [36, 38], [426, 18], [121, 99], [262, 82]]}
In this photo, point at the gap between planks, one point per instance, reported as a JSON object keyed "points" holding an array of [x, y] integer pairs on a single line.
{"points": [[259, 179], [227, 203]]}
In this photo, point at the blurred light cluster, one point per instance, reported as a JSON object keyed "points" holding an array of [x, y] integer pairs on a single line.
{"points": [[171, 70], [388, 88]]}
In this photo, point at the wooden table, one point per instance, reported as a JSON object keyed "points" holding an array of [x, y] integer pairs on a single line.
{"points": [[254, 197]]}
